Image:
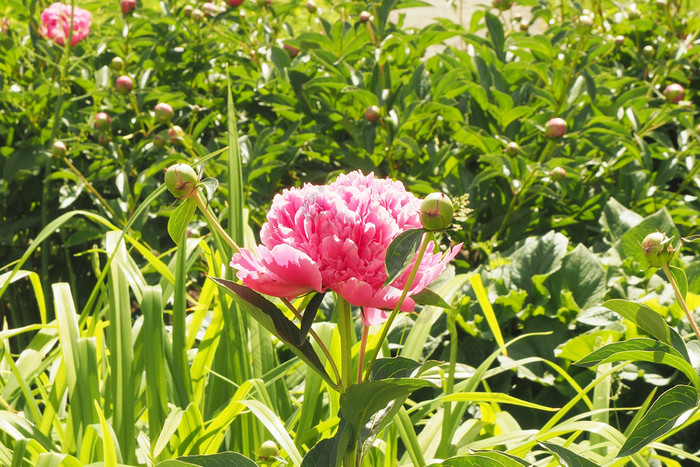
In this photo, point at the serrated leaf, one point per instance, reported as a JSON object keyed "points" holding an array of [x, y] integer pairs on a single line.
{"points": [[665, 414], [210, 186], [401, 252], [645, 350], [428, 297], [650, 321], [180, 219], [566, 457]]}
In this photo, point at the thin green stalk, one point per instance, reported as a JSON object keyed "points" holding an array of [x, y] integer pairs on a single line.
{"points": [[387, 324], [214, 222], [443, 450], [345, 329], [680, 298], [363, 349]]}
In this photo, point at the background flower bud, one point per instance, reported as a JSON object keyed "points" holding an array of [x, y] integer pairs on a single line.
{"points": [[116, 64], [555, 128], [372, 113], [558, 173], [163, 112], [365, 16], [58, 148], [124, 85], [436, 211], [181, 180], [674, 93], [512, 148], [268, 450], [291, 50], [127, 6], [102, 121], [311, 6], [658, 249], [234, 3], [176, 134]]}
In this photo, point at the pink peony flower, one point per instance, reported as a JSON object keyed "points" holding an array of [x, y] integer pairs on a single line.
{"points": [[56, 21], [335, 237]]}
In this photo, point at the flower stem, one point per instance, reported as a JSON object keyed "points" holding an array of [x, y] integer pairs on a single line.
{"points": [[680, 298], [363, 349], [213, 221], [447, 429], [345, 329], [387, 324]]}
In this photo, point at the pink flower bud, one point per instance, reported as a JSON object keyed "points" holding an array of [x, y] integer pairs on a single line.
{"points": [[127, 6], [311, 6], [372, 113], [558, 173], [181, 180], [291, 50], [436, 212], [197, 15], [124, 85], [176, 134], [555, 128], [674, 93], [210, 9], [102, 121], [234, 3], [58, 148], [163, 112]]}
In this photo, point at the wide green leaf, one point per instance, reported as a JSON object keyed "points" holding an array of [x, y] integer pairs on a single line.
{"points": [[668, 411], [567, 457], [180, 219], [228, 459], [401, 252], [483, 459]]}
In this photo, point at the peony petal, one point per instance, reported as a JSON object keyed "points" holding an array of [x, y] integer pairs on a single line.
{"points": [[360, 293]]}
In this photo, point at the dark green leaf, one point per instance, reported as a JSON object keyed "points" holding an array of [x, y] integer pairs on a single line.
{"points": [[272, 318], [428, 297], [330, 451], [666, 413], [401, 252], [567, 457], [397, 367], [180, 219], [222, 459], [650, 321], [496, 35], [309, 315]]}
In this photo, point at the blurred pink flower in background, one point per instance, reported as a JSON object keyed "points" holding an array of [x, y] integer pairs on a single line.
{"points": [[335, 237], [56, 21]]}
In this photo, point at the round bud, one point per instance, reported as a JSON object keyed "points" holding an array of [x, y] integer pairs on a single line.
{"points": [[674, 93], [658, 249], [124, 85], [619, 40], [58, 148], [116, 64], [181, 180], [662, 4], [372, 113], [555, 128], [158, 140], [268, 450], [104, 138], [648, 51], [234, 3], [291, 50], [585, 22], [633, 13], [176, 134], [436, 212], [127, 6], [163, 112], [197, 15], [524, 25], [365, 16], [102, 121], [512, 148], [558, 173], [210, 9], [187, 10], [311, 6]]}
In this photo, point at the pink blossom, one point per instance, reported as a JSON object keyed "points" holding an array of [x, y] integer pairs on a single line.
{"points": [[56, 21], [334, 237]]}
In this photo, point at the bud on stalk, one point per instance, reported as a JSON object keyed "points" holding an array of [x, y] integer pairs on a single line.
{"points": [[436, 212], [181, 180]]}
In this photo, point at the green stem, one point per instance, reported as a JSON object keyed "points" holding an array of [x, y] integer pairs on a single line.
{"points": [[214, 222], [345, 329], [363, 349], [443, 450], [681, 300], [387, 324]]}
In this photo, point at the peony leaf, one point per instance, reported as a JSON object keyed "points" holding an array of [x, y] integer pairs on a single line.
{"points": [[664, 415], [567, 457], [210, 186], [180, 219], [231, 459], [481, 459], [272, 318], [310, 314], [401, 252], [428, 297]]}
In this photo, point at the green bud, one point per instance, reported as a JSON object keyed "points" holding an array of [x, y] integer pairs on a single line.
{"points": [[181, 180], [268, 450], [658, 249], [58, 148], [436, 212]]}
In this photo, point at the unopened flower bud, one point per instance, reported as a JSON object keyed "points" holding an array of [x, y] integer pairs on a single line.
{"points": [[658, 249], [181, 180], [176, 134], [102, 121], [268, 450], [158, 140], [558, 173], [116, 64], [124, 85], [365, 16], [234, 3], [436, 211], [197, 15], [372, 113], [619, 40], [187, 10], [512, 148], [311, 6], [555, 128], [58, 148], [291, 50], [127, 6], [163, 112], [674, 93], [648, 51]]}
